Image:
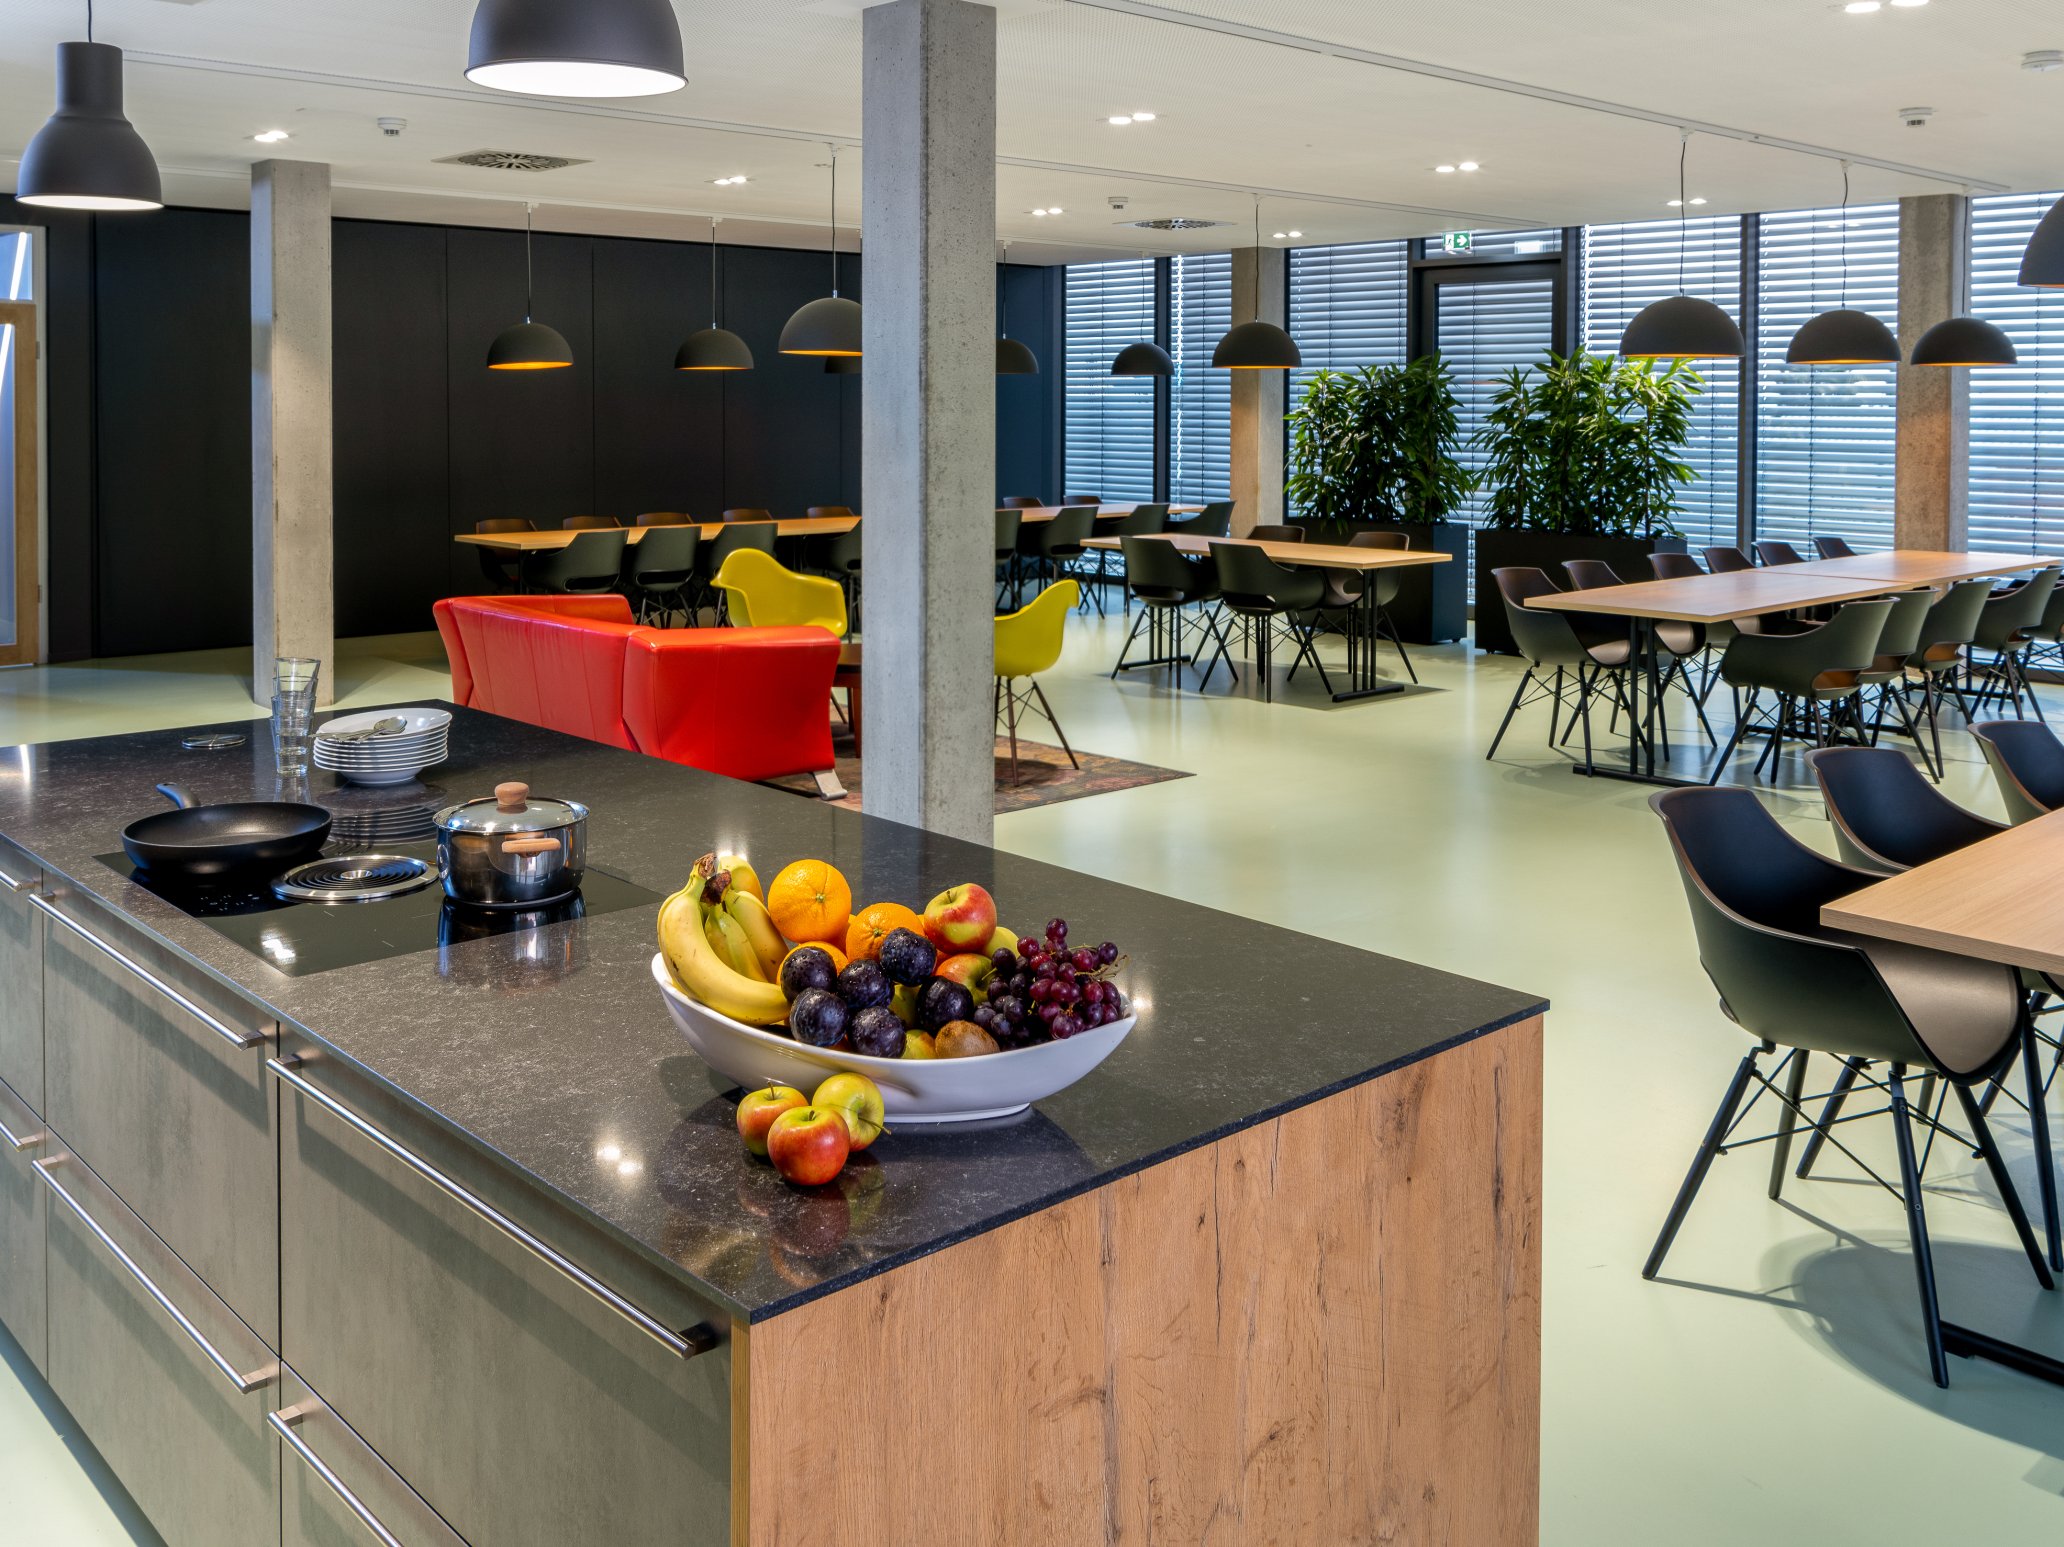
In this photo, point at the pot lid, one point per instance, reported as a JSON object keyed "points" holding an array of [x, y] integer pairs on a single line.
{"points": [[510, 809]]}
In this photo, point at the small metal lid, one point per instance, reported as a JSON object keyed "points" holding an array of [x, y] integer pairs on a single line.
{"points": [[510, 809]]}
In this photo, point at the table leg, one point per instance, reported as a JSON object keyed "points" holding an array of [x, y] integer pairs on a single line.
{"points": [[1364, 681], [1641, 713]]}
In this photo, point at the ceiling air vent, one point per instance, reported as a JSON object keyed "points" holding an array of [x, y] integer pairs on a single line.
{"points": [[1174, 223], [511, 161]]}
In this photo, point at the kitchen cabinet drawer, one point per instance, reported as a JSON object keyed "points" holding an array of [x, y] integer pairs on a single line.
{"points": [[22, 1140], [21, 977], [335, 1491], [150, 1365], [527, 1409], [162, 1103]]}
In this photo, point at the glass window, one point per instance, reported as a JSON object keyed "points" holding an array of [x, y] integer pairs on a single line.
{"points": [[1628, 266], [1109, 427], [1347, 307], [2017, 414], [1487, 327], [1200, 399], [1825, 452]]}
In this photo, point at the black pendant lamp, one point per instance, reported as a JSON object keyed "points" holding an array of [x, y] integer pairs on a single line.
{"points": [[830, 325], [1682, 327], [1965, 341], [1013, 358], [1144, 358], [713, 348], [88, 156], [529, 346], [2043, 263], [1256, 345], [842, 365], [576, 48], [1844, 336]]}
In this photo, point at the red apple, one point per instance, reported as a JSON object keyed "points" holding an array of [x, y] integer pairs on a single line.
{"points": [[759, 1108], [961, 918], [970, 971], [809, 1145]]}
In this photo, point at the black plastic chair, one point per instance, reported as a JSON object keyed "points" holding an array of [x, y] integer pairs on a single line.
{"points": [[1214, 520], [2027, 763], [1277, 534], [659, 568], [1046, 548], [1579, 648], [748, 513], [1813, 674], [1347, 589], [1681, 642], [1938, 655], [664, 518], [1082, 499], [1789, 981], [734, 536], [589, 524], [1144, 521], [2007, 627], [1884, 683], [1833, 548], [1772, 552], [1727, 561], [500, 567], [1022, 502], [1266, 596], [1010, 521], [1167, 584], [590, 564], [831, 513]]}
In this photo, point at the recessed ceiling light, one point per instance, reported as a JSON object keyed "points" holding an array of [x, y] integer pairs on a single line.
{"points": [[1296, 234], [1142, 118], [1466, 166], [271, 136], [727, 182], [1698, 201], [1861, 7], [1055, 210], [1119, 120], [1282, 236], [1444, 168]]}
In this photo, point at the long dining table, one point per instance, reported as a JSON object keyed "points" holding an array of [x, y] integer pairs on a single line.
{"points": [[1364, 680], [788, 526]]}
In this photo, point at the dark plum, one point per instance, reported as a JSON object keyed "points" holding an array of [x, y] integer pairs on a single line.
{"points": [[942, 1002], [863, 985], [818, 1017], [878, 1032], [808, 966], [907, 957]]}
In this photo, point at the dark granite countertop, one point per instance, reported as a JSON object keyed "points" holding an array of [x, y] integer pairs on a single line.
{"points": [[571, 1069]]}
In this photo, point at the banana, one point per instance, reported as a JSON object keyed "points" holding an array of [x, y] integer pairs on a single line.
{"points": [[752, 917], [701, 972], [728, 938], [743, 876]]}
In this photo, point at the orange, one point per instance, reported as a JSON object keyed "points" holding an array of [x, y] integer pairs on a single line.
{"points": [[838, 957], [873, 924], [810, 902]]}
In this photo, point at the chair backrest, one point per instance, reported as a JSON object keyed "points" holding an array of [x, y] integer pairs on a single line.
{"points": [[1395, 542], [1254, 582], [748, 513], [1214, 520], [1156, 570], [2027, 763], [504, 524], [831, 513], [663, 518], [1590, 574], [1833, 548], [1725, 560], [1064, 534], [1082, 499], [1544, 638], [588, 523], [1847, 642], [1885, 815], [765, 594], [1771, 551], [1902, 631], [1952, 622], [1009, 521], [736, 537], [1028, 641], [1674, 566], [1277, 534], [663, 558], [591, 562], [841, 552], [1022, 502], [2011, 613], [1143, 520]]}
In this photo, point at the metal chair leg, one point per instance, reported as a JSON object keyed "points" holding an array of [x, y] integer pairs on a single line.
{"points": [[1047, 709], [2009, 1199], [1830, 1110], [2039, 1135], [1917, 1226], [1513, 708], [1787, 1119], [1702, 1161]]}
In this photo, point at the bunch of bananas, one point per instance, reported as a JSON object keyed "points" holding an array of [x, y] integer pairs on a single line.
{"points": [[721, 943]]}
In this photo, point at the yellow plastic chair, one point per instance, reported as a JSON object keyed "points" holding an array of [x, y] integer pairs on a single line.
{"points": [[1028, 642], [760, 593]]}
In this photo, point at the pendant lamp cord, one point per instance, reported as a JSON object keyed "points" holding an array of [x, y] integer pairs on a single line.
{"points": [[89, 21], [713, 271], [1683, 204], [834, 221], [1003, 291], [1843, 259], [529, 281]]}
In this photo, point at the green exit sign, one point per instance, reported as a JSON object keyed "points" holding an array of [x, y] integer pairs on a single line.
{"points": [[1457, 241]]}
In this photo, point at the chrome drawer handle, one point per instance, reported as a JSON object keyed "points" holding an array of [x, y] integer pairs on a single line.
{"points": [[242, 1040], [10, 884], [47, 1170], [287, 1423], [698, 1339], [29, 1142]]}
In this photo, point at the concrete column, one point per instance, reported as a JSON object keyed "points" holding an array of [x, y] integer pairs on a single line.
{"points": [[928, 417], [292, 607], [1259, 397], [1934, 444]]}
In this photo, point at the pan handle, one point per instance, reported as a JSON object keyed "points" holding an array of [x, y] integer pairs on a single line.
{"points": [[176, 793]]}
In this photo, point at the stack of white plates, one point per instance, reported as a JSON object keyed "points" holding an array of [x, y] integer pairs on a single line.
{"points": [[422, 742]]}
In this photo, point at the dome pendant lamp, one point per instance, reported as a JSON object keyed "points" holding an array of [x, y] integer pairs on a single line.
{"points": [[2043, 263], [1013, 358], [1682, 327], [830, 325], [87, 156], [1844, 336], [529, 346], [576, 48], [713, 348], [1256, 345], [842, 365], [1965, 341], [1144, 358]]}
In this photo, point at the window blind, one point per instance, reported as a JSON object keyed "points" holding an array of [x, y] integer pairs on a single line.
{"points": [[1628, 266], [2016, 478], [1825, 433], [1347, 307], [1200, 399], [1484, 329], [1109, 423]]}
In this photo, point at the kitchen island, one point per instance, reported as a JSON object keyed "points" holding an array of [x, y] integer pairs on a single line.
{"points": [[456, 1242]]}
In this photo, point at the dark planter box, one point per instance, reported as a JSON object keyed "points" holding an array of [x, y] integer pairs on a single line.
{"points": [[1432, 606], [1497, 548]]}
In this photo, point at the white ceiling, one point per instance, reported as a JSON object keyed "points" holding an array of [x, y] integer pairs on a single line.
{"points": [[1572, 109]]}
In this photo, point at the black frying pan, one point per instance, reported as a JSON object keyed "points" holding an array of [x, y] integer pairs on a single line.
{"points": [[212, 840]]}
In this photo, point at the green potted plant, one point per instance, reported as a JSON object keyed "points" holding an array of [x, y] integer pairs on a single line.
{"points": [[1583, 458], [1375, 450]]}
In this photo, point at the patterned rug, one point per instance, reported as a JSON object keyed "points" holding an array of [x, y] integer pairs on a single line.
{"points": [[1044, 777]]}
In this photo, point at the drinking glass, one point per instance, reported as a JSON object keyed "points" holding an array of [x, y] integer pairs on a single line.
{"points": [[293, 714]]}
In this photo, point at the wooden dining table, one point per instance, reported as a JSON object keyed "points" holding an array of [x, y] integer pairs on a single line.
{"points": [[2000, 900], [1364, 680], [788, 526]]}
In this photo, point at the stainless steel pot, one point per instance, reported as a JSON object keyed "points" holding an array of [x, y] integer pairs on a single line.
{"points": [[511, 851]]}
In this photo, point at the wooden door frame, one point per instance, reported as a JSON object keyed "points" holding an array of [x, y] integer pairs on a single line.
{"points": [[28, 506]]}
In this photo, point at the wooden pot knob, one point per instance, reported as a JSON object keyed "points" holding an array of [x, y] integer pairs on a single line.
{"points": [[511, 796]]}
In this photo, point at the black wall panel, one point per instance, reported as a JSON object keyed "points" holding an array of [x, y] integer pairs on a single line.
{"points": [[172, 394], [784, 420], [1027, 417], [394, 554], [659, 432]]}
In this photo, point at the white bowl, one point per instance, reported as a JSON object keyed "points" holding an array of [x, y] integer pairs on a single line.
{"points": [[415, 722], [914, 1090]]}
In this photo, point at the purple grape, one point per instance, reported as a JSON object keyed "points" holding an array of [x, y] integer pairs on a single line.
{"points": [[1042, 990], [1005, 960], [1034, 951], [1083, 959], [1066, 993], [1065, 1026], [1107, 953], [1057, 932]]}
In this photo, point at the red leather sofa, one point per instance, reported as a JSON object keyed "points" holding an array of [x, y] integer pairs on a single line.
{"points": [[753, 703]]}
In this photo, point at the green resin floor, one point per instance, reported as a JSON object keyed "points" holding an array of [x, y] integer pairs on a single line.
{"points": [[1772, 1390]]}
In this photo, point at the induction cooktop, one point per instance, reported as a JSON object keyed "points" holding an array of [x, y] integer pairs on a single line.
{"points": [[301, 937]]}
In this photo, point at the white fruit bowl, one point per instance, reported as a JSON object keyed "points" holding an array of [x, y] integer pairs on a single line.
{"points": [[914, 1090]]}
